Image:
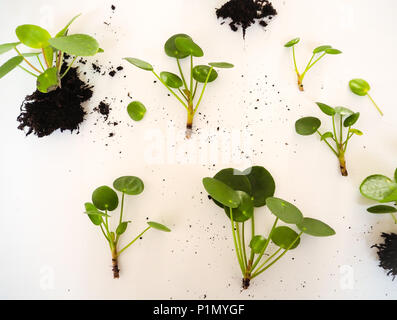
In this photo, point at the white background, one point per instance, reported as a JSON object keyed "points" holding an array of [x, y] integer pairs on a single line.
{"points": [[50, 249]]}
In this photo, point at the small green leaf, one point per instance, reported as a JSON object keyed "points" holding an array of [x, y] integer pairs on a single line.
{"points": [[321, 48], [315, 228], [378, 187], [221, 192], [8, 46], [95, 219], [307, 126], [136, 110], [351, 120], [64, 31], [105, 198], [359, 86], [140, 64], [171, 79], [158, 226], [171, 49], [48, 80], [284, 210], [262, 184], [49, 55], [356, 131], [332, 51], [285, 238], [245, 210], [292, 42], [381, 209], [33, 36], [187, 45], [10, 65], [122, 227], [327, 135], [200, 73], [129, 185], [81, 45], [222, 65], [342, 111], [326, 109], [257, 244], [100, 50]]}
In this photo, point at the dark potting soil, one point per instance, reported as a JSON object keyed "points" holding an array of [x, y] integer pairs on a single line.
{"points": [[43, 113], [244, 13], [104, 109], [387, 253]]}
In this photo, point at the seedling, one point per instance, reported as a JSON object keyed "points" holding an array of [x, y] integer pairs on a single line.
{"points": [[361, 87], [136, 110], [383, 190], [238, 194], [318, 53], [181, 46], [50, 57], [106, 200], [343, 118]]}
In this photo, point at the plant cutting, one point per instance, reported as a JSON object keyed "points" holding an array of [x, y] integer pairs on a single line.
{"points": [[106, 200], [57, 102], [318, 53], [343, 120], [361, 87], [238, 194], [185, 90]]}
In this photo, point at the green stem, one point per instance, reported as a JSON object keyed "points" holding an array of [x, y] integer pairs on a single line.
{"points": [[41, 65], [268, 259], [191, 80], [311, 66], [180, 71], [333, 150], [202, 92], [394, 218], [128, 245], [24, 69], [235, 242], [105, 234], [67, 70], [252, 256], [376, 106], [175, 95], [45, 59], [122, 208], [31, 65], [183, 95], [293, 54], [240, 246], [195, 90], [307, 67], [243, 243]]}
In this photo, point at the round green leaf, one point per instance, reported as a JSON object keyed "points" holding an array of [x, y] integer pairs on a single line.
{"points": [[257, 244], [221, 192], [33, 36], [222, 65], [342, 111], [136, 110], [129, 185], [81, 45], [10, 65], [292, 42], [140, 64], [356, 131], [122, 227], [285, 238], [245, 210], [284, 210], [171, 79], [171, 49], [326, 109], [105, 198], [315, 228], [351, 120], [307, 126], [327, 135], [321, 48], [359, 86], [158, 226], [381, 209], [200, 73], [48, 80], [332, 51], [95, 218], [378, 187], [262, 184], [8, 46], [187, 45]]}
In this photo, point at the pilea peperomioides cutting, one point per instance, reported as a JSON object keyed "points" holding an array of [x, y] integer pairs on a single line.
{"points": [[342, 118], [238, 194], [106, 200], [50, 57], [181, 46]]}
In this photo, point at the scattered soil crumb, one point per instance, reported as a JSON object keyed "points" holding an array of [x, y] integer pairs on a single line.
{"points": [[104, 109]]}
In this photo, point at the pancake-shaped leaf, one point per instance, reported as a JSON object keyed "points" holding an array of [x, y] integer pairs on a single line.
{"points": [[307, 126], [381, 209], [221, 192], [10, 65], [262, 184], [200, 73], [171, 79], [392, 196], [245, 210], [257, 244], [122, 227], [378, 187], [327, 135], [140, 64], [326, 109], [315, 228], [356, 131], [64, 31], [222, 65], [359, 86], [48, 80], [129, 185], [342, 111], [285, 238], [187, 45], [105, 198], [321, 48], [292, 42], [351, 120], [158, 226], [81, 45], [136, 110], [8, 46], [33, 36], [333, 51], [284, 210], [91, 210], [170, 47]]}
